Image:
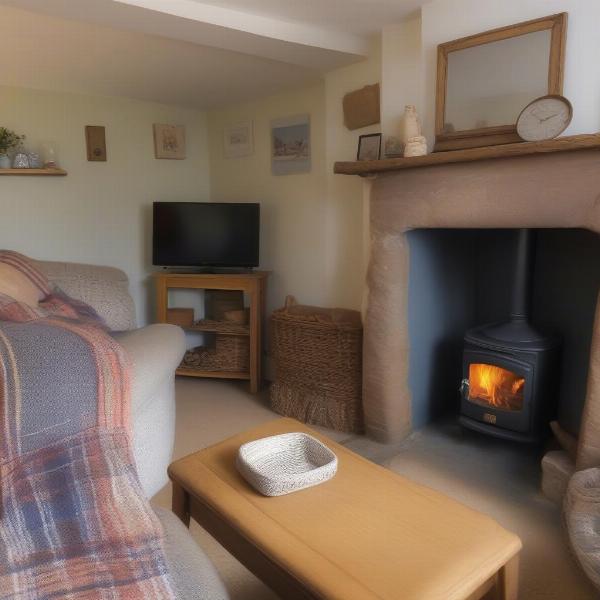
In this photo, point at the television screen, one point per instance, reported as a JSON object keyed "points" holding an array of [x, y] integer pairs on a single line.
{"points": [[194, 234]]}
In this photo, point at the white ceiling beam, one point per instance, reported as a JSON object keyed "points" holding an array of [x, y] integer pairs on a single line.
{"points": [[297, 44], [266, 27]]}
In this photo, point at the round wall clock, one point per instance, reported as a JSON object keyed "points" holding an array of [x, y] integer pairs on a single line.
{"points": [[544, 118]]}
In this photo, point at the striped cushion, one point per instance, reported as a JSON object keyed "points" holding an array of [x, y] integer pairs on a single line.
{"points": [[15, 284]]}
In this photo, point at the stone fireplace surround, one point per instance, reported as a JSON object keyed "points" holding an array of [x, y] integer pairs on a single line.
{"points": [[559, 190]]}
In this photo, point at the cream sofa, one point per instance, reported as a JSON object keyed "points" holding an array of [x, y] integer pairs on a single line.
{"points": [[155, 351]]}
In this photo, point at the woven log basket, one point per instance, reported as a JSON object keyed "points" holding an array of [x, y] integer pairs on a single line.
{"points": [[318, 365], [230, 353]]}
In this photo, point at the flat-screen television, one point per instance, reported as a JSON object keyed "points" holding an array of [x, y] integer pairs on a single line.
{"points": [[205, 234]]}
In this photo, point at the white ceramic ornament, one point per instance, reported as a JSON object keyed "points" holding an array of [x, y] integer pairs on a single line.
{"points": [[411, 123], [415, 146]]}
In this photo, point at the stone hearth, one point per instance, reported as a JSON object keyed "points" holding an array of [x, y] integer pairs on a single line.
{"points": [[559, 190]]}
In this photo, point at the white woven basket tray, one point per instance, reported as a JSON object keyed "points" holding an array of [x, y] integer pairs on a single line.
{"points": [[285, 463]]}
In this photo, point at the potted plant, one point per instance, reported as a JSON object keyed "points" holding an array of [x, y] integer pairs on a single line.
{"points": [[8, 139]]}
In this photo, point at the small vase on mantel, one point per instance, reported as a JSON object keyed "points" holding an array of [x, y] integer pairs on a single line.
{"points": [[411, 123], [5, 161], [414, 142]]}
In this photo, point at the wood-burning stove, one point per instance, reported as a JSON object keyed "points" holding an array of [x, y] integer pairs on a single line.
{"points": [[510, 368]]}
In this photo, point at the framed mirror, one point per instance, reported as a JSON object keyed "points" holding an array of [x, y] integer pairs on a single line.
{"points": [[485, 80]]}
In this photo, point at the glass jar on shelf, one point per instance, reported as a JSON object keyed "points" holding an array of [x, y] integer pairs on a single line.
{"points": [[49, 155]]}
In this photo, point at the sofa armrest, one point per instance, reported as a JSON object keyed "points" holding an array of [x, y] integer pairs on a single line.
{"points": [[154, 352], [106, 289]]}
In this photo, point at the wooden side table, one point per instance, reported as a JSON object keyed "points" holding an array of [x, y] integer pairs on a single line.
{"points": [[253, 284]]}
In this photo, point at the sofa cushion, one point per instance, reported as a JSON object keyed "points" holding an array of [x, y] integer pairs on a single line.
{"points": [[106, 289], [155, 352], [17, 285], [192, 574]]}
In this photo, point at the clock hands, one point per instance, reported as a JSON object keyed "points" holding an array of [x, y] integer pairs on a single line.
{"points": [[540, 119], [534, 114], [550, 117]]}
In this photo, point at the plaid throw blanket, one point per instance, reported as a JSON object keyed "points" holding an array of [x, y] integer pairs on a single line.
{"points": [[74, 522]]}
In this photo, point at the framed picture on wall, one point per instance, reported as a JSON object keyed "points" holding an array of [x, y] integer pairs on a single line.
{"points": [[369, 147], [169, 141], [290, 145], [238, 140], [95, 140]]}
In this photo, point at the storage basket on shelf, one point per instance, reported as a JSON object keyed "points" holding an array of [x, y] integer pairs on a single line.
{"points": [[230, 353], [318, 365]]}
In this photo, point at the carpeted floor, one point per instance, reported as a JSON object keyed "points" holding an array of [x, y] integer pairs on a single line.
{"points": [[496, 478]]}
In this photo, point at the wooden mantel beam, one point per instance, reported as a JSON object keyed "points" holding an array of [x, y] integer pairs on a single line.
{"points": [[371, 167]]}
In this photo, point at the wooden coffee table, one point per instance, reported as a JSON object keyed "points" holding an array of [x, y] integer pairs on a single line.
{"points": [[366, 534]]}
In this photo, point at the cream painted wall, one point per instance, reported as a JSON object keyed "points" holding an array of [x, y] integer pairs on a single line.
{"points": [[444, 20], [347, 197], [312, 224], [100, 212], [293, 207], [402, 73]]}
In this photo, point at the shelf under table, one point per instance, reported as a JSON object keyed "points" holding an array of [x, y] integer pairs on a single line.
{"points": [[220, 327], [187, 372]]}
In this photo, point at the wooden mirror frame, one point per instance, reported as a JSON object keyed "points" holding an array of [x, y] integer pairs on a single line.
{"points": [[501, 134]]}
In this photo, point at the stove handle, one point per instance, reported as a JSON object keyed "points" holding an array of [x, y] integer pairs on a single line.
{"points": [[464, 388]]}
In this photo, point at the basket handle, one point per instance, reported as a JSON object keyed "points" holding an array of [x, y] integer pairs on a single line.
{"points": [[290, 301]]}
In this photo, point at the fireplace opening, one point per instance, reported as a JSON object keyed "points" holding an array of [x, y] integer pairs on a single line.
{"points": [[460, 279], [509, 368]]}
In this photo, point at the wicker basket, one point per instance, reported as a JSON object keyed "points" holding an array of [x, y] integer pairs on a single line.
{"points": [[318, 365], [230, 353], [285, 463]]}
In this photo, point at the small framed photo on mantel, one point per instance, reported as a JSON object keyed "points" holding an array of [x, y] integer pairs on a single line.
{"points": [[369, 147]]}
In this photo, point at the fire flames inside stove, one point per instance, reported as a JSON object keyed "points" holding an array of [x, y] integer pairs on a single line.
{"points": [[490, 385]]}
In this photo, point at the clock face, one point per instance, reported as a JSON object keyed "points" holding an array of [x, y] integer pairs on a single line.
{"points": [[544, 118]]}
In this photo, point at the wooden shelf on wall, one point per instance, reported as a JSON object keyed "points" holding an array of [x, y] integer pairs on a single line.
{"points": [[365, 168], [38, 172]]}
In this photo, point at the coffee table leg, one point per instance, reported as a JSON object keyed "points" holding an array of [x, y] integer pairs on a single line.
{"points": [[508, 580], [180, 503]]}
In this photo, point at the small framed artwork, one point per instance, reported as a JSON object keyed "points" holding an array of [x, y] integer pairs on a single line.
{"points": [[95, 141], [169, 141], [369, 147], [238, 140], [290, 145]]}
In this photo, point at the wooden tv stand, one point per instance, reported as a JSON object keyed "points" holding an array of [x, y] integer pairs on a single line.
{"points": [[252, 283]]}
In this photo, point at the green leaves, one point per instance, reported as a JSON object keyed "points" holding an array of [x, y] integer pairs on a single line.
{"points": [[9, 139]]}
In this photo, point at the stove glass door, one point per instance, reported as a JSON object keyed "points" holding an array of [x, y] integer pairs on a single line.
{"points": [[493, 386]]}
